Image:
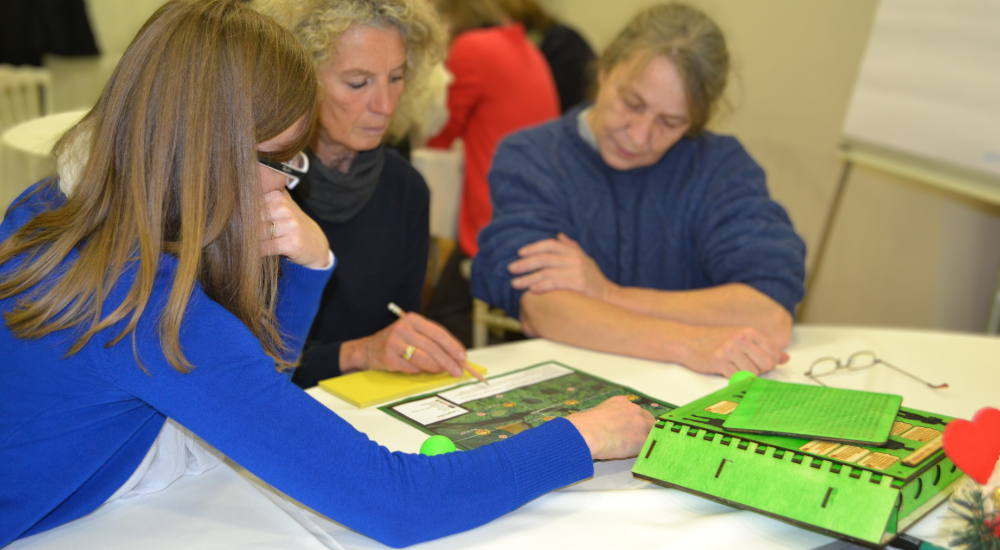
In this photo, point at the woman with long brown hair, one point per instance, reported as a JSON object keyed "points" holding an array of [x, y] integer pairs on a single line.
{"points": [[161, 283]]}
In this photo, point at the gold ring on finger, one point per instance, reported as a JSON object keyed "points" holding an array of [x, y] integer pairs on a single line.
{"points": [[410, 350], [274, 230]]}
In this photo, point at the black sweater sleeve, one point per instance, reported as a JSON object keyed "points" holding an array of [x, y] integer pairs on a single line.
{"points": [[319, 362], [411, 284]]}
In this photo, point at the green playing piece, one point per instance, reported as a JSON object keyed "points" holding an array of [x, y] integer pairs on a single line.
{"points": [[437, 445], [740, 376]]}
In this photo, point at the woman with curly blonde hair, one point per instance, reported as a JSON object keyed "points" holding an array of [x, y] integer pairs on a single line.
{"points": [[373, 58]]}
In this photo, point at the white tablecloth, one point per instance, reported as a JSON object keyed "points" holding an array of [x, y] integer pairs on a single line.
{"points": [[611, 510], [26, 153]]}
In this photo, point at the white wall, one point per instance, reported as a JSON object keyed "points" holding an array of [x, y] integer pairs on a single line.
{"points": [[900, 254], [77, 82]]}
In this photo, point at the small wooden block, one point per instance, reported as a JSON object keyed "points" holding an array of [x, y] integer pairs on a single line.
{"points": [[819, 447], [722, 407], [849, 453], [921, 454], [878, 461], [899, 427], [922, 434]]}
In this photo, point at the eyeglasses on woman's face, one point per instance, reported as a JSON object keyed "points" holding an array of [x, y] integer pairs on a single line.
{"points": [[293, 170]]}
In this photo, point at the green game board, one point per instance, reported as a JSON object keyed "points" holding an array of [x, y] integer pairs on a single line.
{"points": [[473, 414], [865, 494]]}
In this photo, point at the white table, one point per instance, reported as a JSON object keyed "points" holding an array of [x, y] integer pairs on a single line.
{"points": [[612, 510]]}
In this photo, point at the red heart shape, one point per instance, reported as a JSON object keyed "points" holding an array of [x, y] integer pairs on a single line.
{"points": [[975, 446]]}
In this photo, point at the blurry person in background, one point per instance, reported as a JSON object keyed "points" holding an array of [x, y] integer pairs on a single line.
{"points": [[569, 55], [627, 227], [373, 58], [502, 84]]}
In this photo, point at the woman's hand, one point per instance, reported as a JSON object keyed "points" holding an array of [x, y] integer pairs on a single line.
{"points": [[435, 349], [560, 264], [288, 231], [726, 350], [617, 428]]}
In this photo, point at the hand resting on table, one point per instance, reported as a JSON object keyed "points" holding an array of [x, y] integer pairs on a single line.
{"points": [[617, 428], [716, 330]]}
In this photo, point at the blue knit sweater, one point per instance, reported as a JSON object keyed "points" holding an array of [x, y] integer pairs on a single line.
{"points": [[700, 217], [73, 429]]}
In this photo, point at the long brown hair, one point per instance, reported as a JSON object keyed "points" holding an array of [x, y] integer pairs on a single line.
{"points": [[171, 169]]}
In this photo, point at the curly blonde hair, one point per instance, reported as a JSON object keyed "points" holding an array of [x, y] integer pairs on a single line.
{"points": [[318, 25]]}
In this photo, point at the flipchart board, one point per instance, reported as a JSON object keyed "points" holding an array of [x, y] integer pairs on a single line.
{"points": [[927, 97]]}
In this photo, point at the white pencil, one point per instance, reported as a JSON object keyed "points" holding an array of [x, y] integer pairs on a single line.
{"points": [[398, 311]]}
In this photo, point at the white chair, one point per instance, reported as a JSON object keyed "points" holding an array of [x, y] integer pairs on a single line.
{"points": [[25, 93], [442, 169], [26, 153], [485, 318]]}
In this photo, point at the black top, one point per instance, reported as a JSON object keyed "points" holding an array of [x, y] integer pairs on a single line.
{"points": [[381, 257], [572, 64], [31, 28]]}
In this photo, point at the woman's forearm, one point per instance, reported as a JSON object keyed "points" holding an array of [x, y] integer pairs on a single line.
{"points": [[574, 318], [733, 304]]}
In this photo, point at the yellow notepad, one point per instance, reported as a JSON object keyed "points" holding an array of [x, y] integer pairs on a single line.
{"points": [[367, 388]]}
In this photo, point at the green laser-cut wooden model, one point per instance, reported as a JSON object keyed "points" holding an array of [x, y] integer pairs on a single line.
{"points": [[865, 494]]}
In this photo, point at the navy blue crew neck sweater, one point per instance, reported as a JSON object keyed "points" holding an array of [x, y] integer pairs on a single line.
{"points": [[699, 217]]}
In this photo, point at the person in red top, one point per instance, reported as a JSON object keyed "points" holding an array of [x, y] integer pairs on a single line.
{"points": [[502, 84]]}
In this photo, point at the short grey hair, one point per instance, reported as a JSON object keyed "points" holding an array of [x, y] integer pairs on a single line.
{"points": [[689, 39]]}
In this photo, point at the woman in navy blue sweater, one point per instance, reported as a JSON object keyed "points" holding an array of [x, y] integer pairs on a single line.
{"points": [[625, 227], [172, 276]]}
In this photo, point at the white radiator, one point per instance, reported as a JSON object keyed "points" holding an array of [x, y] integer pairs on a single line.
{"points": [[25, 93]]}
